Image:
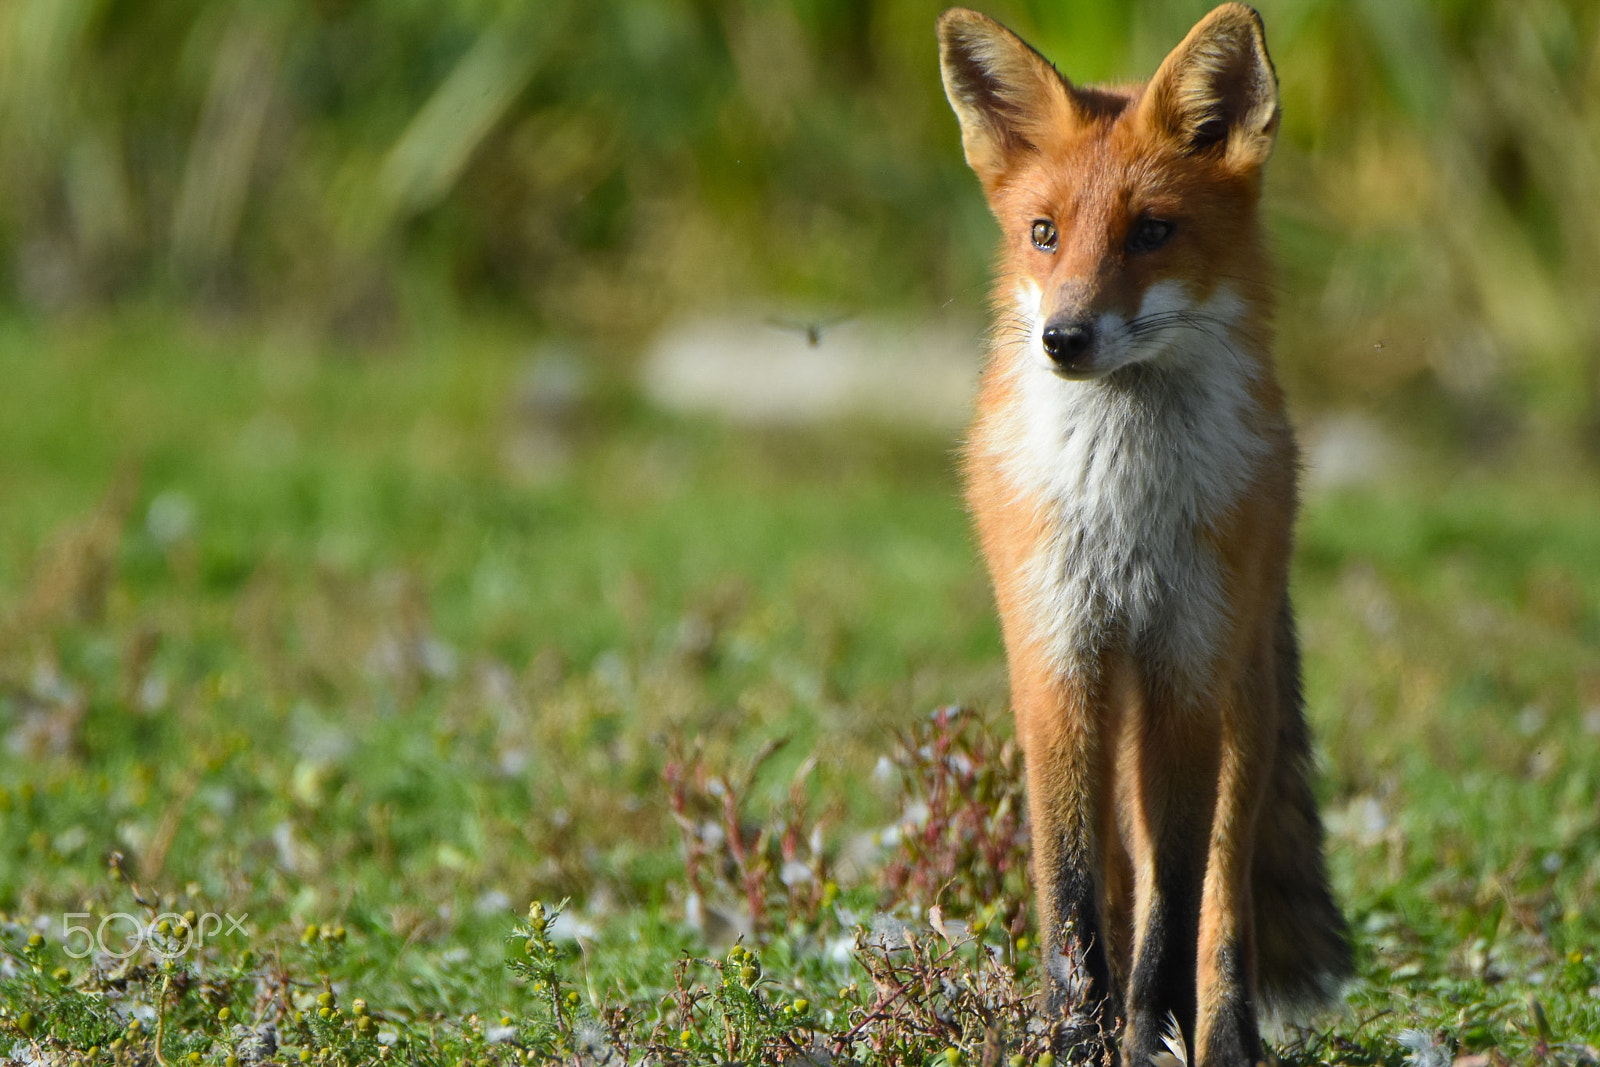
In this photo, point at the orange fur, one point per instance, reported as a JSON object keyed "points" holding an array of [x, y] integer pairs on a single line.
{"points": [[1132, 473]]}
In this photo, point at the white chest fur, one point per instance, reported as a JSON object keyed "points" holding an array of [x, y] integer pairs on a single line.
{"points": [[1133, 467]]}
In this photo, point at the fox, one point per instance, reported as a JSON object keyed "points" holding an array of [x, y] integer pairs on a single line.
{"points": [[1133, 482]]}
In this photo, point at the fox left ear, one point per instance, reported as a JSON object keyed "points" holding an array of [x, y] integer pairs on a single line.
{"points": [[1218, 88]]}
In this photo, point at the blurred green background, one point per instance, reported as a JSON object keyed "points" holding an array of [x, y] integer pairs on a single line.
{"points": [[591, 170], [350, 570]]}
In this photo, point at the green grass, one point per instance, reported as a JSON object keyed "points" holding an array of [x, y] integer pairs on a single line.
{"points": [[396, 644]]}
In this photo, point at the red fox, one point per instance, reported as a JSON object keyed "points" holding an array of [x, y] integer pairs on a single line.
{"points": [[1132, 475]]}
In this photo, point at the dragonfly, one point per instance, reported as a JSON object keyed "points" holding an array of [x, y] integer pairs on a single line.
{"points": [[810, 329]]}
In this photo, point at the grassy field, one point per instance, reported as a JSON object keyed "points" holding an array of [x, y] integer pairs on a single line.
{"points": [[362, 654]]}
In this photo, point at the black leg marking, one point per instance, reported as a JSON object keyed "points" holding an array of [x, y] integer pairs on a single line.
{"points": [[1234, 1037], [1163, 979], [1082, 1000]]}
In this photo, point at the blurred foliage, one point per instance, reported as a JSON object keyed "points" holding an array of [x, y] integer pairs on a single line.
{"points": [[355, 165]]}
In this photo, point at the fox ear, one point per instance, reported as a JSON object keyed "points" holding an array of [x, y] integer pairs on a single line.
{"points": [[1005, 94], [1218, 88]]}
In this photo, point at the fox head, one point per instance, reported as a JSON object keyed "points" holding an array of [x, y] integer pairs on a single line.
{"points": [[1129, 215]]}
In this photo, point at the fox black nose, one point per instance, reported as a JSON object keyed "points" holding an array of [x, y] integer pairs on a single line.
{"points": [[1068, 342]]}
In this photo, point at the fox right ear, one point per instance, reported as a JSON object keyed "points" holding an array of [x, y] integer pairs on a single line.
{"points": [[1006, 95]]}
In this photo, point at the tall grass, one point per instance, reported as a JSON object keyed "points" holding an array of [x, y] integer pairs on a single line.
{"points": [[598, 168]]}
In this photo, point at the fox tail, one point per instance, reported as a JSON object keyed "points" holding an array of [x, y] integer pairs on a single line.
{"points": [[1302, 943]]}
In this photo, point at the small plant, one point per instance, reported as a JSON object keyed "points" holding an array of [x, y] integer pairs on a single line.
{"points": [[777, 867], [962, 832], [567, 1027], [740, 1015]]}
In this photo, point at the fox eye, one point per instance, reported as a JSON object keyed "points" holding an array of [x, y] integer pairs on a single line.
{"points": [[1044, 235], [1148, 235]]}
